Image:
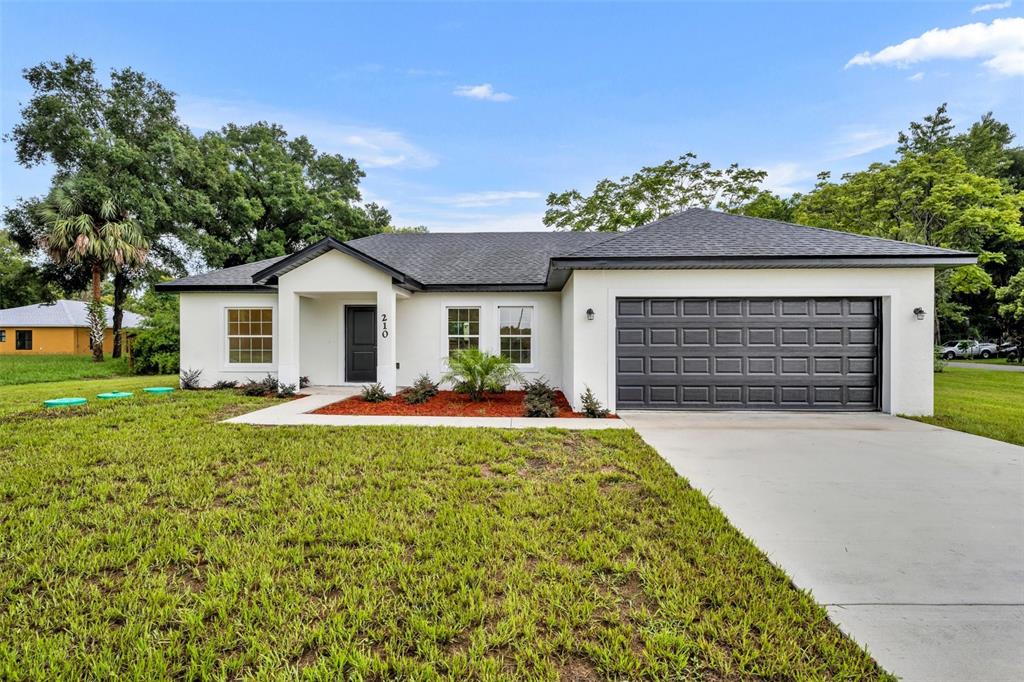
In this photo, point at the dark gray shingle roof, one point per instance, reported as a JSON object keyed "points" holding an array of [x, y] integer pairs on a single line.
{"points": [[508, 259], [474, 258], [237, 277], [701, 233]]}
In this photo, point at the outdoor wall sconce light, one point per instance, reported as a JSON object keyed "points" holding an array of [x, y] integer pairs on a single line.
{"points": [[919, 312], [590, 313]]}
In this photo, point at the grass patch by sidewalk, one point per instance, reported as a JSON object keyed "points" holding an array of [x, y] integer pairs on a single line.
{"points": [[27, 369], [980, 401], [141, 539]]}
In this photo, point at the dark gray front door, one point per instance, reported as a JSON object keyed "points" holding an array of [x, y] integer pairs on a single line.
{"points": [[747, 353], [360, 343]]}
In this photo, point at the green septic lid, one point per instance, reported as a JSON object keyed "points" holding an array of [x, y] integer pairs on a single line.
{"points": [[115, 394], [158, 389], [64, 402]]}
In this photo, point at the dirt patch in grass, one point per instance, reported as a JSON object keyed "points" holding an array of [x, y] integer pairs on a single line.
{"points": [[446, 404]]}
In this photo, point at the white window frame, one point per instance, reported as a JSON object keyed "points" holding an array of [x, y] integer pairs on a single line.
{"points": [[532, 336], [246, 366], [479, 330]]}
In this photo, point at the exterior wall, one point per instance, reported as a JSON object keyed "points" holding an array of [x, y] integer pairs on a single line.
{"points": [[906, 344], [423, 341], [56, 341], [203, 320], [568, 334]]}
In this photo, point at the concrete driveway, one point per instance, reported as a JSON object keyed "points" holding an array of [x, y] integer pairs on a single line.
{"points": [[911, 535]]}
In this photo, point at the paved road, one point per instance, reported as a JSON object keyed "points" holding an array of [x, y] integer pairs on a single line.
{"points": [[1001, 367], [911, 535]]}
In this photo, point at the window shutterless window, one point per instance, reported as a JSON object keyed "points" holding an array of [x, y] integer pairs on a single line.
{"points": [[463, 329], [515, 333], [250, 336], [3, 335], [23, 339]]}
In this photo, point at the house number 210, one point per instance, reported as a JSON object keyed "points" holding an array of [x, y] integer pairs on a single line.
{"points": [[384, 325]]}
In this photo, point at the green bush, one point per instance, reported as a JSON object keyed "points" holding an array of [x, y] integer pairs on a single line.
{"points": [[155, 347], [422, 390], [475, 372], [539, 400], [375, 393]]}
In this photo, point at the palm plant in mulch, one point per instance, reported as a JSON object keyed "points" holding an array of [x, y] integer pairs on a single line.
{"points": [[475, 372]]}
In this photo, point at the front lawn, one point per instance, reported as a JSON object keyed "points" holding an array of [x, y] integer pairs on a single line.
{"points": [[985, 402], [141, 539], [26, 369]]}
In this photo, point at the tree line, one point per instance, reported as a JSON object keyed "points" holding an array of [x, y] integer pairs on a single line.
{"points": [[958, 190]]}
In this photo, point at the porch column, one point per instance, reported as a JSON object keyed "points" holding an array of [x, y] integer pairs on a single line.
{"points": [[387, 374], [288, 338]]}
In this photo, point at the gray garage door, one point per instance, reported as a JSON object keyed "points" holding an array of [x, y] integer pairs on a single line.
{"points": [[749, 353]]}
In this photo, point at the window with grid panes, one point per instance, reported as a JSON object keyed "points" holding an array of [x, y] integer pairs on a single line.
{"points": [[250, 336], [515, 333], [463, 329]]}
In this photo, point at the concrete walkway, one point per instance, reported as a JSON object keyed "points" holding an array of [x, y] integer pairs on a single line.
{"points": [[911, 535], [297, 412], [1001, 367]]}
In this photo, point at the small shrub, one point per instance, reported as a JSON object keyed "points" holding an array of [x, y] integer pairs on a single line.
{"points": [[375, 393], [475, 372], [286, 390], [189, 379], [422, 390], [303, 382], [223, 384], [540, 398], [592, 407], [261, 389], [940, 363]]}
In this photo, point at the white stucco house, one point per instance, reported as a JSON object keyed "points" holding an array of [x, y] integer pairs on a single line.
{"points": [[700, 310]]}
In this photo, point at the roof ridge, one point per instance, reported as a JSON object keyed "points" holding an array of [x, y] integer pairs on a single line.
{"points": [[633, 230], [822, 229]]}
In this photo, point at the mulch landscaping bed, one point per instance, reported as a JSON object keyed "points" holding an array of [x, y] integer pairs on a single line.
{"points": [[446, 404]]}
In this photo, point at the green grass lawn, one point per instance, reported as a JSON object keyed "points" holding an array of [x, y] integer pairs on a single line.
{"points": [[142, 539], [980, 401], [984, 361], [27, 369]]}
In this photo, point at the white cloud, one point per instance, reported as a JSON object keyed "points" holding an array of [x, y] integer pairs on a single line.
{"points": [[484, 91], [1000, 44], [371, 146], [857, 140], [991, 6], [484, 199], [470, 221], [788, 177], [919, 76]]}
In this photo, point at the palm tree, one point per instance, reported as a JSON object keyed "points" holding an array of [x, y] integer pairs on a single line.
{"points": [[102, 240]]}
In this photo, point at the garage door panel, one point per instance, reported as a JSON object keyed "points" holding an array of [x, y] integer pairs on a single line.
{"points": [[758, 353]]}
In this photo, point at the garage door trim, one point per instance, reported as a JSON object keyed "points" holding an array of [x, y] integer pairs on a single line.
{"points": [[747, 352]]}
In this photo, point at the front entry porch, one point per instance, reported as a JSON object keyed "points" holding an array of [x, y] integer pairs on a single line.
{"points": [[337, 338]]}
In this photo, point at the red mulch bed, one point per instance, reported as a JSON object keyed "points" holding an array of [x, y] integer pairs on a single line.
{"points": [[446, 404]]}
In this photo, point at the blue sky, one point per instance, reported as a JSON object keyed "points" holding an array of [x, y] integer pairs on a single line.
{"points": [[465, 116]]}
